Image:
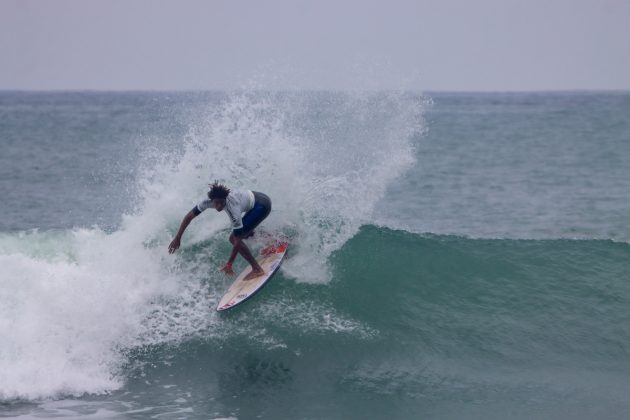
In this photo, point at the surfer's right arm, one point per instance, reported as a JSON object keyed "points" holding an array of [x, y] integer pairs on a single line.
{"points": [[185, 222]]}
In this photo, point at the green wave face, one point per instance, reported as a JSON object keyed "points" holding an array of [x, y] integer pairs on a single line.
{"points": [[420, 325]]}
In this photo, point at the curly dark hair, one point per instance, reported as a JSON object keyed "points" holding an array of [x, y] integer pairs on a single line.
{"points": [[218, 191]]}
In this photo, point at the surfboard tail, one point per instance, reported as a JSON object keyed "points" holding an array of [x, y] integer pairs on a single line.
{"points": [[270, 259]]}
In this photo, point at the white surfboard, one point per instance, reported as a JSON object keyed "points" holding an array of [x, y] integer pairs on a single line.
{"points": [[270, 259]]}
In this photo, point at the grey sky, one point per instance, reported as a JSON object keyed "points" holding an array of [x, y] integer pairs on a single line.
{"points": [[319, 44]]}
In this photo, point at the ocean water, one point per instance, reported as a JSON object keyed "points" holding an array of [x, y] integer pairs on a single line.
{"points": [[453, 256]]}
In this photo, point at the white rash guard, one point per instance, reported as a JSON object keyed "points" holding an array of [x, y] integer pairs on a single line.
{"points": [[237, 203]]}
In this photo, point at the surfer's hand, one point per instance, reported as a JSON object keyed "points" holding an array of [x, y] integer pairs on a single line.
{"points": [[173, 246], [228, 269]]}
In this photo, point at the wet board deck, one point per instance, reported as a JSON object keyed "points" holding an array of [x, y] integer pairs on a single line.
{"points": [[270, 259]]}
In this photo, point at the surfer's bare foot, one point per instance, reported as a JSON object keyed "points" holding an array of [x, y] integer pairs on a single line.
{"points": [[254, 274]]}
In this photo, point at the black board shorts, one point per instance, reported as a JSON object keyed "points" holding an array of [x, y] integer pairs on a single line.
{"points": [[258, 213]]}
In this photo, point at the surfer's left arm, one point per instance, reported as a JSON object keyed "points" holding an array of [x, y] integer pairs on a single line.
{"points": [[174, 245]]}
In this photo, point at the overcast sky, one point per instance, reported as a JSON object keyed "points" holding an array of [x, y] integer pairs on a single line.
{"points": [[320, 44]]}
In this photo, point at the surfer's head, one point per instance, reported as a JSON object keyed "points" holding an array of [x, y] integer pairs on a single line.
{"points": [[217, 194]]}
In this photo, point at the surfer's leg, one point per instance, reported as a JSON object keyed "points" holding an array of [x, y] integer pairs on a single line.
{"points": [[243, 249], [260, 211]]}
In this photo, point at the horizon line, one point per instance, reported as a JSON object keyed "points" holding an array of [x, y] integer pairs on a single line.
{"points": [[323, 90]]}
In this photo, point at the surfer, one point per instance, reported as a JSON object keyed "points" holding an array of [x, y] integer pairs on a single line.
{"points": [[256, 207]]}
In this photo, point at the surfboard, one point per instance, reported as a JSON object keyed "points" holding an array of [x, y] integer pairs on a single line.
{"points": [[270, 259]]}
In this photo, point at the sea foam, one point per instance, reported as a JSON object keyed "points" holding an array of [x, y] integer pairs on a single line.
{"points": [[73, 302]]}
